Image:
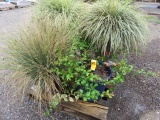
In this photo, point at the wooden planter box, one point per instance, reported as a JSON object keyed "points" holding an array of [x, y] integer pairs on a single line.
{"points": [[81, 109], [85, 110]]}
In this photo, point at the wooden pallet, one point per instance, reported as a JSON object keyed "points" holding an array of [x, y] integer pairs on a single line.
{"points": [[79, 108], [6, 6], [85, 110]]}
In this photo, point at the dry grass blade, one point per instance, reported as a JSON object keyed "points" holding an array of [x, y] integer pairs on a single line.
{"points": [[32, 54]]}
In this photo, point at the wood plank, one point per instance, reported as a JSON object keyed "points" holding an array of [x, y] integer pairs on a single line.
{"points": [[103, 103], [77, 114], [86, 109], [91, 109]]}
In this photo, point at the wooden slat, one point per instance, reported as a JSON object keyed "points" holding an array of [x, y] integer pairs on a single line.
{"points": [[91, 109], [77, 114], [103, 103], [79, 108]]}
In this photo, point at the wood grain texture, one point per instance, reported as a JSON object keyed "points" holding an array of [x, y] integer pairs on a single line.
{"points": [[90, 109]]}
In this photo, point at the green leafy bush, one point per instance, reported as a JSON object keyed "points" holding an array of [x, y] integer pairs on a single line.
{"points": [[74, 73], [114, 25]]}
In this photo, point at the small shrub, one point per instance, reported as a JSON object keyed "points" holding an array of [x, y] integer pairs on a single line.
{"points": [[74, 73], [114, 25]]}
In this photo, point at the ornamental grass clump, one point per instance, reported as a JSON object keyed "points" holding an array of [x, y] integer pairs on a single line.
{"points": [[114, 25], [32, 54], [53, 7]]}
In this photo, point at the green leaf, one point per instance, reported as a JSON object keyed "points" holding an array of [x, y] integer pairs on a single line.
{"points": [[87, 94], [65, 99], [83, 82], [84, 99], [102, 95], [87, 74], [77, 97], [81, 91], [47, 113]]}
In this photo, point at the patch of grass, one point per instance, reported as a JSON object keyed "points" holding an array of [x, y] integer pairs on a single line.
{"points": [[113, 25], [158, 21], [153, 19]]}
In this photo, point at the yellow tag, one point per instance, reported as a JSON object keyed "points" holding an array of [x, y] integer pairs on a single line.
{"points": [[93, 65]]}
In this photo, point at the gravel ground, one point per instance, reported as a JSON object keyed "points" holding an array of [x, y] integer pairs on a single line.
{"points": [[138, 95], [148, 7], [135, 97], [138, 98]]}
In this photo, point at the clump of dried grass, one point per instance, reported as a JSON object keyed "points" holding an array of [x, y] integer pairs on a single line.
{"points": [[32, 54]]}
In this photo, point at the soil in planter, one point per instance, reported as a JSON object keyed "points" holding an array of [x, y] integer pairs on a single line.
{"points": [[100, 71], [104, 73]]}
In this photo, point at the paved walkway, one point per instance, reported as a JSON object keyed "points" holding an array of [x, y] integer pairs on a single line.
{"points": [[149, 7], [10, 20]]}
